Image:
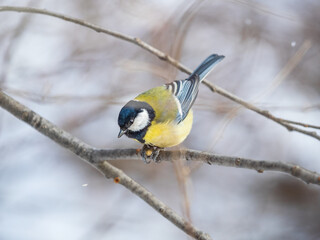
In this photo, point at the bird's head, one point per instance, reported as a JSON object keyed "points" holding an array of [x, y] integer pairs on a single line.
{"points": [[134, 117]]}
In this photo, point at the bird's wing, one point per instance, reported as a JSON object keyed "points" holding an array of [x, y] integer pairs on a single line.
{"points": [[185, 91]]}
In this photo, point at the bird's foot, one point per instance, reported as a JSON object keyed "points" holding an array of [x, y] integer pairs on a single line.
{"points": [[150, 152]]}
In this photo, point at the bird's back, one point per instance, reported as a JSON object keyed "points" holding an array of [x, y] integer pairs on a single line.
{"points": [[163, 103]]}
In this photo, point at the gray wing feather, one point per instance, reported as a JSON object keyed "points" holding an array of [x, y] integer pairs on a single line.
{"points": [[186, 92]]}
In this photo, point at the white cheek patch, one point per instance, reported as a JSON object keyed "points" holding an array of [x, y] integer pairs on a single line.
{"points": [[140, 122]]}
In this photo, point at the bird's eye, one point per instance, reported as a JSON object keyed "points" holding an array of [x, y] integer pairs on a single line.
{"points": [[131, 120]]}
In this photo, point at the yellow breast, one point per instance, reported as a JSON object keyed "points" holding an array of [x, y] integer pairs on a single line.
{"points": [[169, 134]]}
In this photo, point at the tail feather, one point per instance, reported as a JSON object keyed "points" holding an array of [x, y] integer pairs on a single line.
{"points": [[205, 67]]}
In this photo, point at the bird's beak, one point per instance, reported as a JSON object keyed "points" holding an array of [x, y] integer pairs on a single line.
{"points": [[122, 132]]}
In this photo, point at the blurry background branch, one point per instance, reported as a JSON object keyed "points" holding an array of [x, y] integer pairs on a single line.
{"points": [[288, 124]]}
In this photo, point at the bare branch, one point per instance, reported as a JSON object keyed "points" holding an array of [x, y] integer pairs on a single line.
{"points": [[213, 159], [92, 156], [97, 156], [166, 58]]}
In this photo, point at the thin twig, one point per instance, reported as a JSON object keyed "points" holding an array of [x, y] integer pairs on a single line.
{"points": [[306, 125], [287, 69], [164, 57]]}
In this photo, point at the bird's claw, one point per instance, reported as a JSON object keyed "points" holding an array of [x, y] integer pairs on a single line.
{"points": [[150, 152]]}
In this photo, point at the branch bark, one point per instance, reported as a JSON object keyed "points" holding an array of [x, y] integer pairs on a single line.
{"points": [[285, 123], [212, 159]]}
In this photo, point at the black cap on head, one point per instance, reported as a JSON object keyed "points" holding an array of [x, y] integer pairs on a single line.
{"points": [[129, 112]]}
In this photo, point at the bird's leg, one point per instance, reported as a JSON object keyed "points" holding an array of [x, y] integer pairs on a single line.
{"points": [[146, 153], [150, 152]]}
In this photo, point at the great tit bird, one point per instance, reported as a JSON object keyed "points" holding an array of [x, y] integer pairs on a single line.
{"points": [[162, 117]]}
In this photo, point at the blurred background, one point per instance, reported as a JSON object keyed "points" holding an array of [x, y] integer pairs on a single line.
{"points": [[79, 80]]}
